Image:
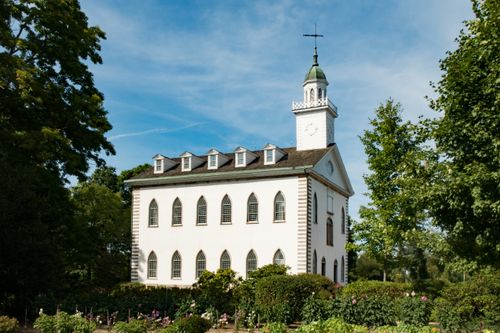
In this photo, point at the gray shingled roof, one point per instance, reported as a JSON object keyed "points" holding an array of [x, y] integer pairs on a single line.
{"points": [[292, 158]]}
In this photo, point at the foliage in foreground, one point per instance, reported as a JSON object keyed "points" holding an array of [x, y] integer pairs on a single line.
{"points": [[62, 322], [337, 325], [8, 325], [191, 324]]}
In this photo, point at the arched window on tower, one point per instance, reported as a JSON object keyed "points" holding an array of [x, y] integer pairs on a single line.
{"points": [[177, 212], [152, 266], [329, 232], [315, 209], [342, 216], [251, 262], [311, 95], [323, 266], [153, 214], [225, 210], [201, 212], [279, 207], [225, 260], [315, 263], [342, 270], [176, 265], [279, 258], [320, 92], [252, 208], [201, 263], [335, 271]]}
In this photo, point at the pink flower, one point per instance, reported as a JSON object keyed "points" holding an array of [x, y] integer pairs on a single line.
{"points": [[354, 301], [424, 299]]}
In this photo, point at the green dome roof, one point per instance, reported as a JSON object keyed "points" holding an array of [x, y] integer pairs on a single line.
{"points": [[315, 73]]}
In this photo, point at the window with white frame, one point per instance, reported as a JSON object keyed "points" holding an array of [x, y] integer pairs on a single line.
{"points": [[212, 161], [279, 207], [201, 211], [269, 156], [152, 266], [153, 214], [342, 227], [323, 266], [226, 210], [252, 208], [225, 260], [342, 269], [240, 159], [315, 209], [177, 212], [251, 262], [278, 258], [158, 165], [186, 163], [329, 232], [201, 263], [329, 203], [335, 271], [176, 265], [315, 263]]}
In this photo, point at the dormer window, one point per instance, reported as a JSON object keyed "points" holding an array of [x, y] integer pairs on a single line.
{"points": [[272, 154], [186, 164], [212, 161], [269, 156], [162, 163], [240, 159], [158, 166]]}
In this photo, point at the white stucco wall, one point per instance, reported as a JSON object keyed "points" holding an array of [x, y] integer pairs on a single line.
{"points": [[238, 239]]}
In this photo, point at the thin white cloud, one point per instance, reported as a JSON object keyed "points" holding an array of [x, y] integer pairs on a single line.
{"points": [[151, 131]]}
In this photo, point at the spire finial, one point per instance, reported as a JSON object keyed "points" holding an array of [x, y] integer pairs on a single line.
{"points": [[315, 35]]}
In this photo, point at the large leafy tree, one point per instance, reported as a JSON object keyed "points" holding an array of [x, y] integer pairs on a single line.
{"points": [[465, 197], [52, 124], [393, 216]]}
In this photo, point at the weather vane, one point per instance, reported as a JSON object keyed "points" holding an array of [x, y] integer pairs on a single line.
{"points": [[315, 35]]}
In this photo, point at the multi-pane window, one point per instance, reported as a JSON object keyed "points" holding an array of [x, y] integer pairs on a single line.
{"points": [[269, 156], [329, 203], [323, 266], [158, 165], [342, 228], [212, 161], [329, 232], [279, 207], [186, 163], [201, 211], [201, 264], [152, 266], [342, 269], [176, 265], [251, 262], [240, 158], [153, 214], [252, 208], [226, 210], [225, 260], [315, 209], [320, 92], [315, 263], [279, 258], [177, 212], [335, 271]]}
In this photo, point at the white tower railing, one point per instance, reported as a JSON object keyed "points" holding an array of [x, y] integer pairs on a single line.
{"points": [[312, 104]]}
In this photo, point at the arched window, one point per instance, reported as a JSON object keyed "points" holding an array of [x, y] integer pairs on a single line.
{"points": [[279, 258], [329, 232], [201, 263], [315, 209], [201, 211], [225, 260], [225, 210], [335, 269], [323, 266], [279, 207], [311, 95], [177, 212], [342, 227], [315, 263], [252, 208], [320, 92], [152, 266], [176, 265], [153, 214], [342, 270], [251, 262]]}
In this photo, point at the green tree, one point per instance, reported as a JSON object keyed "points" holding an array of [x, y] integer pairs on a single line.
{"points": [[393, 213], [52, 124], [464, 199]]}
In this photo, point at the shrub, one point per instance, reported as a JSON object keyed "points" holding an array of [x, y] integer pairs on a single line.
{"points": [[8, 325], [216, 290], [470, 304], [403, 329], [275, 328], [390, 290], [281, 298], [62, 322], [133, 326], [369, 311], [414, 310], [332, 325], [316, 309], [193, 324]]}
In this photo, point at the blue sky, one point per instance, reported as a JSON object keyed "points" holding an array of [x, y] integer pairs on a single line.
{"points": [[195, 75]]}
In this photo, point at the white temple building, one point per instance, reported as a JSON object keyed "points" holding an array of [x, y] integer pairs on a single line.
{"points": [[245, 209]]}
